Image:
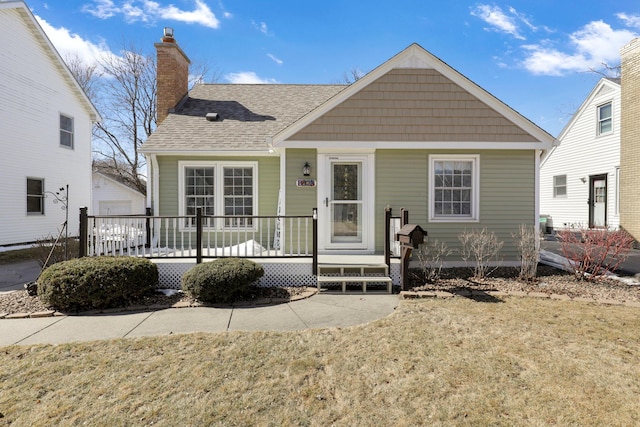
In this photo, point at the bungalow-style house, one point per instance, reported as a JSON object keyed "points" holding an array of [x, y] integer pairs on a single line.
{"points": [[579, 178], [45, 133], [413, 133], [111, 196]]}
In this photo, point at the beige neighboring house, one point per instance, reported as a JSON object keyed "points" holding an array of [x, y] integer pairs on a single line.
{"points": [[110, 196], [413, 133], [630, 139]]}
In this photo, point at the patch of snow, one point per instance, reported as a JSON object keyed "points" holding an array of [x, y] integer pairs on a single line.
{"points": [[169, 292]]}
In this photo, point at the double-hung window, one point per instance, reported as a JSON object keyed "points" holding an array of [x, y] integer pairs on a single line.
{"points": [[605, 124], [66, 131], [35, 196], [221, 189], [454, 188], [560, 186]]}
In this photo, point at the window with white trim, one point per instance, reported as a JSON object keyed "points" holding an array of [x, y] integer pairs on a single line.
{"points": [[35, 196], [454, 189], [66, 131], [221, 189], [560, 186], [605, 121]]}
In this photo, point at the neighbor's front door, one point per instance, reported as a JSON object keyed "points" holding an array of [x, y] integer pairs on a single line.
{"points": [[345, 203], [598, 201]]}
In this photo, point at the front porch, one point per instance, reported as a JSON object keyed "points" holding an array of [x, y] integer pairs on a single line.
{"points": [[286, 247]]}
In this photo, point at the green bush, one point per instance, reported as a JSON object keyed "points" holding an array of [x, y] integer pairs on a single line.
{"points": [[224, 280], [96, 282]]}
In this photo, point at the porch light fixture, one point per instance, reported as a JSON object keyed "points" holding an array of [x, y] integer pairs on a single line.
{"points": [[306, 169], [583, 179], [168, 32]]}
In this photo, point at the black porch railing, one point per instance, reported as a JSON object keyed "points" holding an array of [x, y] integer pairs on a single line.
{"points": [[202, 236]]}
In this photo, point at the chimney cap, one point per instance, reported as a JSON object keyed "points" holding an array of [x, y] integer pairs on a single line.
{"points": [[168, 35]]}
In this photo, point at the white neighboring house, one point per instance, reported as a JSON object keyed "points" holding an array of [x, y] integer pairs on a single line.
{"points": [[45, 132], [579, 178], [111, 197]]}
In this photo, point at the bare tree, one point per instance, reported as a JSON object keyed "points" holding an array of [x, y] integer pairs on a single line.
{"points": [[351, 76], [87, 76], [127, 102], [607, 70], [123, 88]]}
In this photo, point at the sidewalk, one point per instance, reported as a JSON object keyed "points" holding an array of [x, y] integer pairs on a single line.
{"points": [[319, 311]]}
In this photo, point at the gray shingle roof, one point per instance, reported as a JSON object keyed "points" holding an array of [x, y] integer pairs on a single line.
{"points": [[248, 115]]}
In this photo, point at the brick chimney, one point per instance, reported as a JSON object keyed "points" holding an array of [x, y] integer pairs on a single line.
{"points": [[630, 138], [172, 74]]}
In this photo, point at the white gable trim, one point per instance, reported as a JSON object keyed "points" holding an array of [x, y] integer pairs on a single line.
{"points": [[413, 145], [417, 57], [61, 66]]}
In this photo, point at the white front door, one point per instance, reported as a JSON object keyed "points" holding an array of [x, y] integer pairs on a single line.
{"points": [[345, 202]]}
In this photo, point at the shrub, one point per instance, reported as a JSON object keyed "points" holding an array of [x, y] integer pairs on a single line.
{"points": [[48, 251], [223, 280], [480, 246], [592, 253], [529, 249], [96, 282], [431, 257]]}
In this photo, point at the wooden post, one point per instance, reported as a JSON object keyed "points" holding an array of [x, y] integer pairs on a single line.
{"points": [[84, 238], [148, 228], [198, 235], [404, 217], [406, 254], [314, 243], [387, 237]]}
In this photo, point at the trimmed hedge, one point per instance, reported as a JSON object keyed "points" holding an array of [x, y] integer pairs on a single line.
{"points": [[223, 280], [97, 282]]}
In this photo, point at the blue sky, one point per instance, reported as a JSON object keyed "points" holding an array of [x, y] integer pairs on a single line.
{"points": [[533, 55]]}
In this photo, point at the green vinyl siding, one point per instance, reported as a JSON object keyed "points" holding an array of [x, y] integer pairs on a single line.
{"points": [[507, 194], [300, 200]]}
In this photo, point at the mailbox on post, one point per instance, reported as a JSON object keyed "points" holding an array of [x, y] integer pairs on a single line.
{"points": [[410, 236]]}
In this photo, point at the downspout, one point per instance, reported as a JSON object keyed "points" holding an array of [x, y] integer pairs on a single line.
{"points": [[538, 154], [154, 203]]}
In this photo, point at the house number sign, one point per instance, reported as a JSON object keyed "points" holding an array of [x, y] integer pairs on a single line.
{"points": [[306, 183]]}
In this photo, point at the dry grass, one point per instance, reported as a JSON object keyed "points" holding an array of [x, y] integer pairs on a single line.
{"points": [[434, 362]]}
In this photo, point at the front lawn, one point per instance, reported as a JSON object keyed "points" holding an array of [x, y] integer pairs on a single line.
{"points": [[440, 362]]}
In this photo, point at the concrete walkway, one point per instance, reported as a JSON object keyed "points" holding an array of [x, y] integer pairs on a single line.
{"points": [[319, 311]]}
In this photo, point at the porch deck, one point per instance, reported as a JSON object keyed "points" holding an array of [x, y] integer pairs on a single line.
{"points": [[279, 271]]}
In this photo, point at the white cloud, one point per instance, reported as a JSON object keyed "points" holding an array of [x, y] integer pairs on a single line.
{"points": [[275, 59], [247, 77], [71, 45], [591, 46], [262, 27], [150, 11], [498, 20], [632, 21]]}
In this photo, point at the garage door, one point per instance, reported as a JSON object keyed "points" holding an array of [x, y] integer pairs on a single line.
{"points": [[115, 207]]}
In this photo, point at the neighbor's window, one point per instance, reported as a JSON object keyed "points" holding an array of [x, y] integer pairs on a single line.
{"points": [[66, 131], [220, 189], [605, 124], [454, 188], [35, 196], [560, 186]]}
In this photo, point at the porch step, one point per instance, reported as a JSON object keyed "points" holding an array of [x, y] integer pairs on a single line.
{"points": [[354, 273]]}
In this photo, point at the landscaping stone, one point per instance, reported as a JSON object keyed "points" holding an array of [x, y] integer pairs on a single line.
{"points": [[47, 313]]}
